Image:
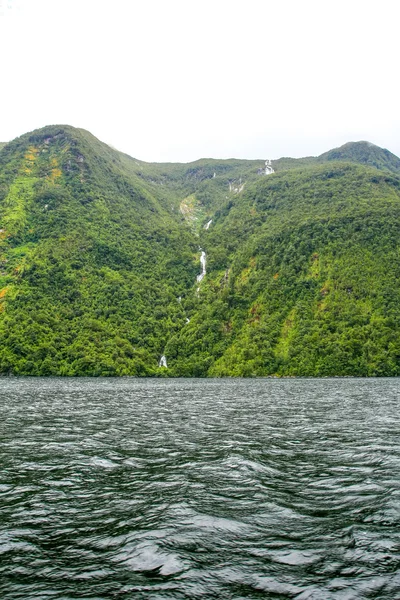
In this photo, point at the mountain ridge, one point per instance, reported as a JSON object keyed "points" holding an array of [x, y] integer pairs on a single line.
{"points": [[361, 151]]}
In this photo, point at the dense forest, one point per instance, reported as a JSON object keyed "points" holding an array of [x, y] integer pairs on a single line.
{"points": [[100, 257]]}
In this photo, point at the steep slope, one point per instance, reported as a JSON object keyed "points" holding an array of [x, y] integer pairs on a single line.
{"points": [[91, 262], [302, 279]]}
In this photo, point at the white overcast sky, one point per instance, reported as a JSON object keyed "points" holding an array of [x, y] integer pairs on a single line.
{"points": [[176, 80]]}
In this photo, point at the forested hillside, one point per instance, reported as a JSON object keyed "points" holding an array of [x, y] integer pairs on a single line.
{"points": [[100, 253], [92, 263], [303, 279]]}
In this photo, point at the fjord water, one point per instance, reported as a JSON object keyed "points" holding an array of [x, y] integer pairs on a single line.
{"points": [[129, 488]]}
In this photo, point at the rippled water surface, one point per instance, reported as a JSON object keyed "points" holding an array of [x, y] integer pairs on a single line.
{"points": [[126, 488]]}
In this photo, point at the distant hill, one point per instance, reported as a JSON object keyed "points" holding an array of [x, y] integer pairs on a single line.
{"points": [[364, 153], [100, 253]]}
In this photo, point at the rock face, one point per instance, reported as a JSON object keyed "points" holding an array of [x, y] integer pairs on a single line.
{"points": [[300, 275]]}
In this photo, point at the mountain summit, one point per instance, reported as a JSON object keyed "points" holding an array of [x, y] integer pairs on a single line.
{"points": [[364, 153]]}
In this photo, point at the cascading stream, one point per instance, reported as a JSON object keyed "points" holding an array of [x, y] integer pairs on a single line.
{"points": [[200, 277], [203, 260]]}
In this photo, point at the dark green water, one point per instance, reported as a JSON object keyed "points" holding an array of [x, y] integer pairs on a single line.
{"points": [[199, 489]]}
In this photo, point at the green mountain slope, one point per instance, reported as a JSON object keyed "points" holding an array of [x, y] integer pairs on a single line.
{"points": [[91, 262], [303, 279], [364, 153], [99, 254]]}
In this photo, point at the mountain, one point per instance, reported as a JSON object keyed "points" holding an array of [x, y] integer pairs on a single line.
{"points": [[100, 253], [91, 262], [303, 279], [364, 153]]}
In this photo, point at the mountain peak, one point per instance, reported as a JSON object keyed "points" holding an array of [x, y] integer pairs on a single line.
{"points": [[365, 153]]}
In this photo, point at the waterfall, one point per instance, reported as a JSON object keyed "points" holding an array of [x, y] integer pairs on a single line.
{"points": [[268, 167], [203, 266], [163, 362], [207, 225], [203, 259]]}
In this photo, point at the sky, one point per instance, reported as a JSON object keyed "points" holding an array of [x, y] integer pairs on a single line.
{"points": [[177, 80]]}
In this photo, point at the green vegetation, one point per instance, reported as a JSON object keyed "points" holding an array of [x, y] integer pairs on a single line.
{"points": [[99, 255], [302, 279], [364, 153], [91, 262]]}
